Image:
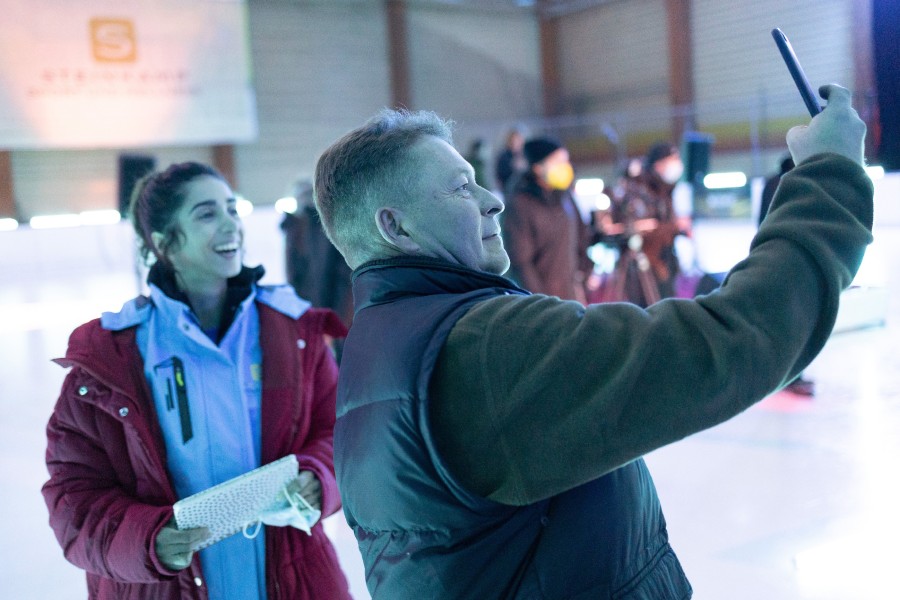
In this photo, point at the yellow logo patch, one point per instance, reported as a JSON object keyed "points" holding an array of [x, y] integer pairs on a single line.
{"points": [[113, 40]]}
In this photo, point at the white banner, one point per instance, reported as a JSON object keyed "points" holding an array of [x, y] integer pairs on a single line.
{"points": [[124, 73]]}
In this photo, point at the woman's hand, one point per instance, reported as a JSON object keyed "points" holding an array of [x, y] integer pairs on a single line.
{"points": [[307, 485], [175, 547], [292, 511]]}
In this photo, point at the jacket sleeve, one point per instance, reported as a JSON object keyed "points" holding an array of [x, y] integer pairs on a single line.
{"points": [[321, 373], [98, 522], [566, 394]]}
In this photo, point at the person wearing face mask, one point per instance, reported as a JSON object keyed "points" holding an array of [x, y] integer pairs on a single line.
{"points": [[643, 225], [542, 229]]}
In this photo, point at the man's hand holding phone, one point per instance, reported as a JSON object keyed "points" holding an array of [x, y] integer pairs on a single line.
{"points": [[837, 129]]}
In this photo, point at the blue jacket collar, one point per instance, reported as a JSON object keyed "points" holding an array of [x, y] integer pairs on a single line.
{"points": [[281, 298]]}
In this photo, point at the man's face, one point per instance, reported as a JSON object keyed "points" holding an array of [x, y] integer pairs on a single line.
{"points": [[447, 215]]}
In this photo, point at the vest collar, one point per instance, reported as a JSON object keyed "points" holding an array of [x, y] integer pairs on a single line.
{"points": [[386, 280]]}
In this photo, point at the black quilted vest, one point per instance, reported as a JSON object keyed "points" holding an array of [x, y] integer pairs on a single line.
{"points": [[421, 533]]}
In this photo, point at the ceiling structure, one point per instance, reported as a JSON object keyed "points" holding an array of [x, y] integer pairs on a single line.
{"points": [[546, 8]]}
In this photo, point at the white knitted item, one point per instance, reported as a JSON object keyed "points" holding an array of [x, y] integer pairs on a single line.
{"points": [[232, 505]]}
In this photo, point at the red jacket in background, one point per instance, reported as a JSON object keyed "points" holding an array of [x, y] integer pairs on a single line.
{"points": [[109, 492]]}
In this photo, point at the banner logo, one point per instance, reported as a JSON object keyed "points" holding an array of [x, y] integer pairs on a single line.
{"points": [[113, 41]]}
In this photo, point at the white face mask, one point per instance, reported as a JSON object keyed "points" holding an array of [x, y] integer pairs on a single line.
{"points": [[672, 172], [293, 510]]}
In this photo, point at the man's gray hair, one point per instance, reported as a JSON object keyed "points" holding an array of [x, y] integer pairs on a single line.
{"points": [[364, 168]]}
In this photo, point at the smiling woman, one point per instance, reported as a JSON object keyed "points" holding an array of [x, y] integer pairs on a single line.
{"points": [[210, 376], [206, 249]]}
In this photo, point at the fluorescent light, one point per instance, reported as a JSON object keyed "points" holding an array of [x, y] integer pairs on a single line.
{"points": [[88, 217], [875, 172], [602, 202], [589, 186], [99, 217], [54, 221], [725, 180], [8, 224], [244, 207], [589, 195], [288, 204]]}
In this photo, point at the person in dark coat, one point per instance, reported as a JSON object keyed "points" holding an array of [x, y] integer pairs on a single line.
{"points": [[315, 269], [787, 163], [543, 231], [475, 157], [489, 441], [510, 161]]}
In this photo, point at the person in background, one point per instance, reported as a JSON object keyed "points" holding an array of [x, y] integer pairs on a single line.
{"points": [[475, 157], [610, 286], [643, 224], [787, 163], [488, 441], [543, 231], [510, 162], [314, 267], [207, 378]]}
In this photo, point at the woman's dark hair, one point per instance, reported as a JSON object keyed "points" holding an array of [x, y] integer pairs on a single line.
{"points": [[155, 200], [657, 152]]}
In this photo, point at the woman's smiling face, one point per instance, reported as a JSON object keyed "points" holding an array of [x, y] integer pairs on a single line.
{"points": [[210, 247]]}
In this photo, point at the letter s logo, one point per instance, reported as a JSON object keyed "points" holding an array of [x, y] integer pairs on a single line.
{"points": [[113, 40]]}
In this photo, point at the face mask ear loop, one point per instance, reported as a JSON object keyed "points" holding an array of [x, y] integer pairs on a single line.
{"points": [[300, 505], [256, 525], [290, 498], [297, 500]]}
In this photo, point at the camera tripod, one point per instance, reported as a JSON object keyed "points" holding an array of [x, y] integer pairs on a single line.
{"points": [[632, 256]]}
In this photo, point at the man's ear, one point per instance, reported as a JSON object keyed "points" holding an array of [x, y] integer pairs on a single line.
{"points": [[390, 225]]}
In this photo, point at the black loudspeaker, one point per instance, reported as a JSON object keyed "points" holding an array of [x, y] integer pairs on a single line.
{"points": [[885, 30], [695, 156], [131, 168]]}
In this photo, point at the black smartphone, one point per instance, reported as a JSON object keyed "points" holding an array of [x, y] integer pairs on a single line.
{"points": [[790, 59]]}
